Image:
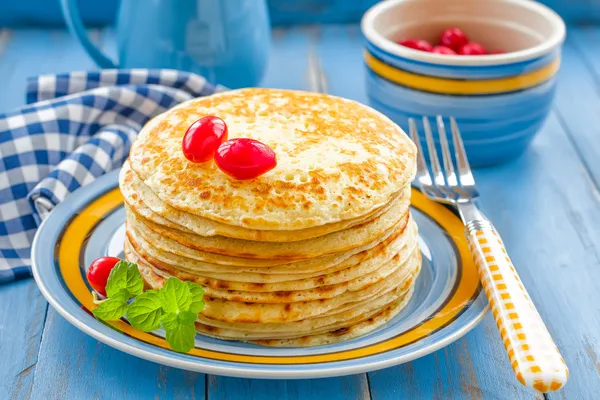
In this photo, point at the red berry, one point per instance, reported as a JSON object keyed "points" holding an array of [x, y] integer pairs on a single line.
{"points": [[453, 38], [202, 139], [443, 50], [472, 49], [97, 274], [417, 44], [243, 158]]}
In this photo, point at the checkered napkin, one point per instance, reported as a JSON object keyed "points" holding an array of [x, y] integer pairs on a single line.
{"points": [[76, 127]]}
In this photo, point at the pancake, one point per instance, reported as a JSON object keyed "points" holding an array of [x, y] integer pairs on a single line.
{"points": [[271, 279], [354, 312], [306, 327], [169, 245], [295, 294], [336, 160], [345, 333], [233, 311], [145, 203], [301, 250]]}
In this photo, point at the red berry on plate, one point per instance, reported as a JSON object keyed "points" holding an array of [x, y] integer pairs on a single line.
{"points": [[203, 138], [243, 158], [454, 38], [443, 50], [97, 273], [416, 44], [472, 49]]}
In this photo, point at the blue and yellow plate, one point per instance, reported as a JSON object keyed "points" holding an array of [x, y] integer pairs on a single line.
{"points": [[447, 302]]}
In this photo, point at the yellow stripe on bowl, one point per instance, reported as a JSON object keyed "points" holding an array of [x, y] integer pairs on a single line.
{"points": [[455, 86]]}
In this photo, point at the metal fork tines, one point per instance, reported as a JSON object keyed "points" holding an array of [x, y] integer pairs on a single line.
{"points": [[452, 181], [443, 184]]}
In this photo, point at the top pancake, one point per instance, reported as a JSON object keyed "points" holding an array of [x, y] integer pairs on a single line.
{"points": [[336, 160]]}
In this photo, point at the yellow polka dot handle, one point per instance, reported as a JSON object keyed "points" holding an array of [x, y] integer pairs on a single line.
{"points": [[534, 356]]}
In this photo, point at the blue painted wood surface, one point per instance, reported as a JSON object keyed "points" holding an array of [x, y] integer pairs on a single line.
{"points": [[546, 205], [283, 12]]}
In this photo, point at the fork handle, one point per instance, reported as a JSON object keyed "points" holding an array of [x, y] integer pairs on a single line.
{"points": [[534, 357]]}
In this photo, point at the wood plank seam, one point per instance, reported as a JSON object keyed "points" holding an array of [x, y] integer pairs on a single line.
{"points": [[41, 340], [206, 386], [368, 378]]}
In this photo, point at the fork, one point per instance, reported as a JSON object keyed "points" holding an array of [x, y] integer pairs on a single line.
{"points": [[534, 357]]}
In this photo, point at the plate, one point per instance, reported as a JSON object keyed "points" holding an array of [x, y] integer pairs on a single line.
{"points": [[447, 302]]}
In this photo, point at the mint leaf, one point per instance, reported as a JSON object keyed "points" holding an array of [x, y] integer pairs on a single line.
{"points": [[124, 276], [186, 317], [197, 292], [180, 330], [145, 311], [175, 296], [169, 321], [181, 337], [113, 308]]}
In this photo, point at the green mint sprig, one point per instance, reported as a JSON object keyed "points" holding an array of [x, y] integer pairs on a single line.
{"points": [[175, 306], [124, 282]]}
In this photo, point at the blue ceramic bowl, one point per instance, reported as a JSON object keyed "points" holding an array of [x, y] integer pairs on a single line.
{"points": [[500, 101]]}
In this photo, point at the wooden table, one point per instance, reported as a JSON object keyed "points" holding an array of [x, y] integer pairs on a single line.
{"points": [[546, 205]]}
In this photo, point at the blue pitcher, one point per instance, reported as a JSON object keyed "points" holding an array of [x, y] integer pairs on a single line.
{"points": [[226, 41]]}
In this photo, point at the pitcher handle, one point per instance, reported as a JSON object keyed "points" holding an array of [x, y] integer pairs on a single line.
{"points": [[73, 19]]}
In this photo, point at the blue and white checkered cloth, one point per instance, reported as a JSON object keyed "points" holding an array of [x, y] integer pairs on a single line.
{"points": [[76, 127]]}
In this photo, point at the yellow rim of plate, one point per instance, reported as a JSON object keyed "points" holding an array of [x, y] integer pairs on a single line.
{"points": [[456, 86], [81, 226]]}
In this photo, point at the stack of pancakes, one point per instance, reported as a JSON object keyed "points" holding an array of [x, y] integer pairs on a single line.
{"points": [[318, 250]]}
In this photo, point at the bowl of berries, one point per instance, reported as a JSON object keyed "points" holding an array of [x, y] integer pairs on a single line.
{"points": [[490, 64]]}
